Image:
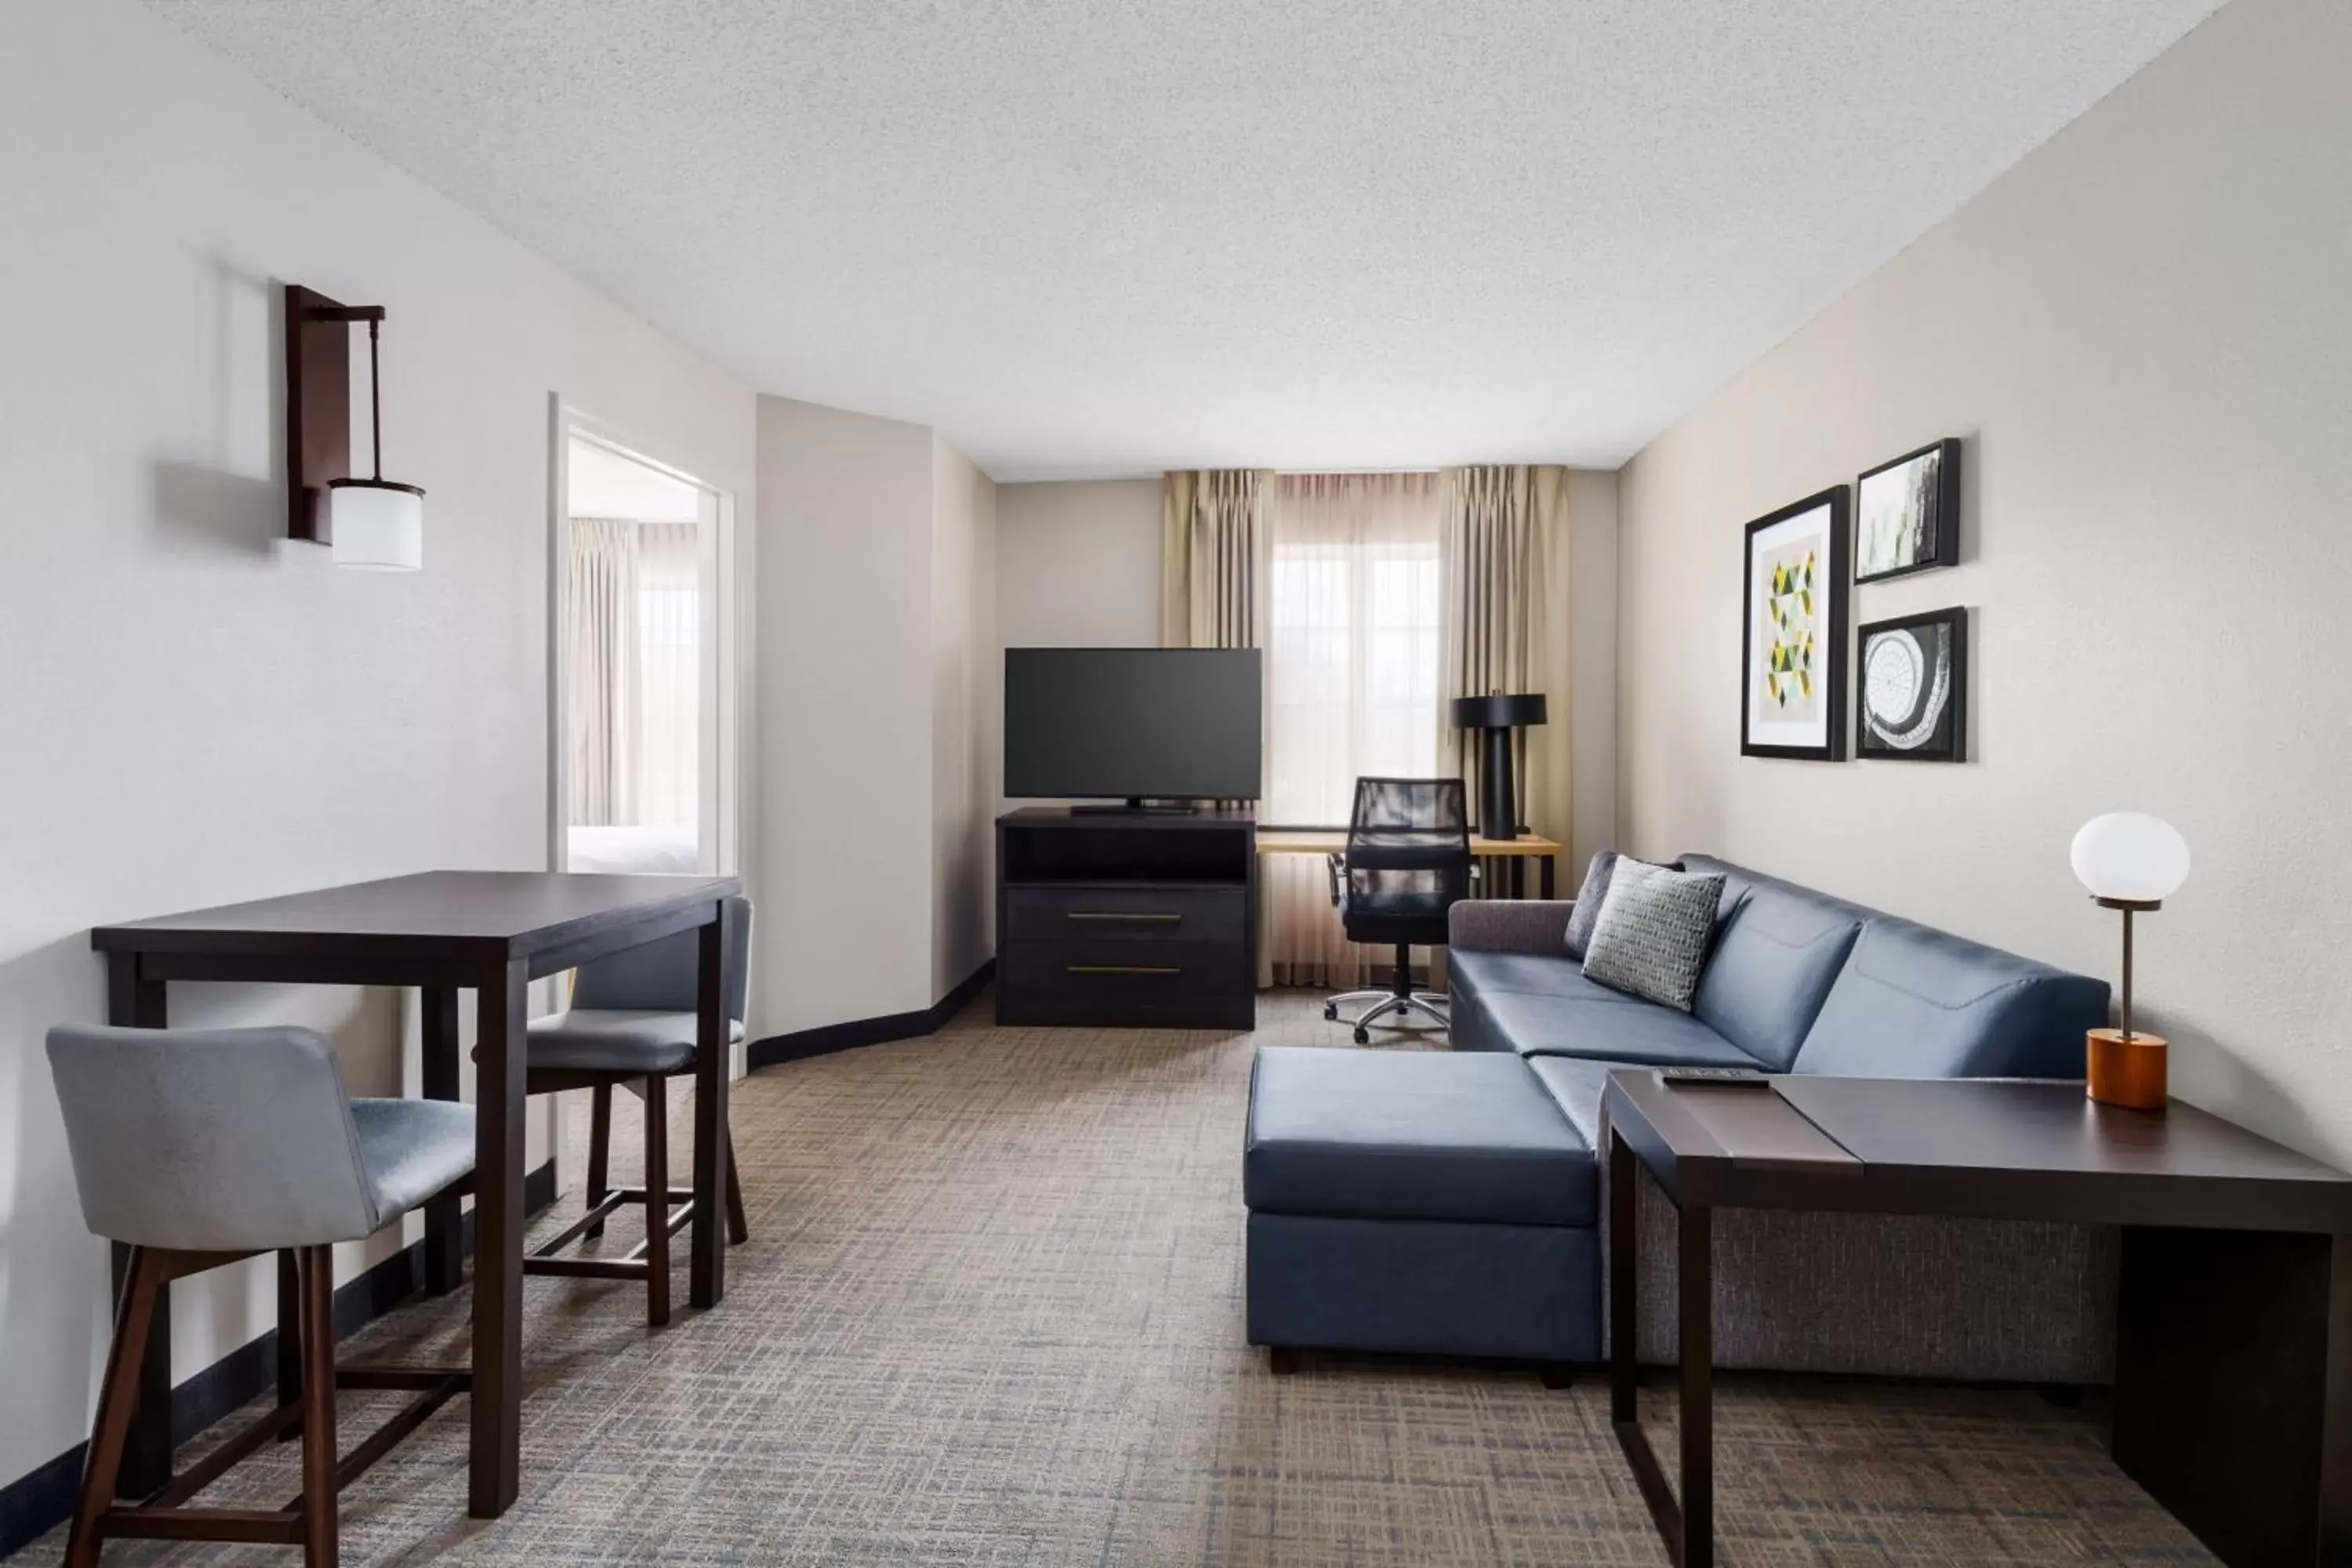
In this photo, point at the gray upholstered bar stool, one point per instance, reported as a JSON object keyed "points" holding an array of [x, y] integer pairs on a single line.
{"points": [[195, 1148], [632, 1023]]}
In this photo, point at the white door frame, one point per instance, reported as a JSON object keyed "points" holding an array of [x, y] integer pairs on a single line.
{"points": [[719, 831]]}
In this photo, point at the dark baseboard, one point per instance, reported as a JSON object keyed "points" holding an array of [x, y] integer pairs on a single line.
{"points": [[802, 1044], [33, 1504]]}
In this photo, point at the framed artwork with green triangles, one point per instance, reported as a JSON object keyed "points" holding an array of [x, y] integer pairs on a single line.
{"points": [[1793, 654]]}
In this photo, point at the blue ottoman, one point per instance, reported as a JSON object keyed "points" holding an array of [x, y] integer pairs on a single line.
{"points": [[1421, 1202]]}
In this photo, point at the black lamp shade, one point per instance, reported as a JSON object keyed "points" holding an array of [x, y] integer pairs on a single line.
{"points": [[1499, 711], [1498, 715]]}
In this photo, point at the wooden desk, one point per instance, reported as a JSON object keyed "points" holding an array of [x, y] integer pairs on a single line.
{"points": [[1514, 852], [2233, 1338], [494, 933]]}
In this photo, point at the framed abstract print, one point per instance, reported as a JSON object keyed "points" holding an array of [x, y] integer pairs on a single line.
{"points": [[1793, 651], [1914, 688], [1908, 514]]}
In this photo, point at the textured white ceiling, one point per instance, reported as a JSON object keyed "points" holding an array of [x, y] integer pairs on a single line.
{"points": [[1109, 236]]}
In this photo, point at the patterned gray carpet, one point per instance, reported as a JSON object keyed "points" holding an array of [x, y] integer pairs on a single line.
{"points": [[992, 1313]]}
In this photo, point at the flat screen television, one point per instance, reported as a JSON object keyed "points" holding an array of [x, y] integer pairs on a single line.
{"points": [[1133, 724]]}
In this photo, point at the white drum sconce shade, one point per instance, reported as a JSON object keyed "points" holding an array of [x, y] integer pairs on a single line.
{"points": [[2130, 857], [373, 523]]}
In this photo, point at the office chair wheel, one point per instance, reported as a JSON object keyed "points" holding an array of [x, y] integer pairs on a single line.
{"points": [[1330, 1009], [1363, 1036]]}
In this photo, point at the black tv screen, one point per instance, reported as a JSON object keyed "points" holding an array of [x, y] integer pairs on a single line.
{"points": [[1177, 723]]}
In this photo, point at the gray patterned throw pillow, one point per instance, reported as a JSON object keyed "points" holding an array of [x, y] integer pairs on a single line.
{"points": [[1589, 898], [1650, 939]]}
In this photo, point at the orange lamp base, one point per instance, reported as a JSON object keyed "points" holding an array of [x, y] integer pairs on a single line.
{"points": [[2127, 1071]]}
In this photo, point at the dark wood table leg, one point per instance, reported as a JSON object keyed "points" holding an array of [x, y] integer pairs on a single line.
{"points": [[707, 1282], [1550, 874], [501, 1016], [1694, 1307], [2233, 1388], [134, 1001], [445, 1235], [1687, 1526], [1624, 1395]]}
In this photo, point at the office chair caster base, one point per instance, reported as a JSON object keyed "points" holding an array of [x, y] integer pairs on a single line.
{"points": [[1429, 1004], [1331, 1010]]}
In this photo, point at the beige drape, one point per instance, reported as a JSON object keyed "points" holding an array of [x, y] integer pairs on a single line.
{"points": [[1503, 540], [1213, 555]]}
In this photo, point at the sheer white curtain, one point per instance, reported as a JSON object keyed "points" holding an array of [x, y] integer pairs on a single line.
{"points": [[669, 679], [1353, 605], [633, 597]]}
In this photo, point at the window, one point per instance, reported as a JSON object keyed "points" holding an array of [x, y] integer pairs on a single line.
{"points": [[1351, 638]]}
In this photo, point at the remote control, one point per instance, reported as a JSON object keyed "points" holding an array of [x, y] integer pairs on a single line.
{"points": [[1715, 1078]]}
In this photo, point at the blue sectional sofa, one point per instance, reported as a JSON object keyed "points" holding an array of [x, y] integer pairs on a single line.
{"points": [[1452, 1202]]}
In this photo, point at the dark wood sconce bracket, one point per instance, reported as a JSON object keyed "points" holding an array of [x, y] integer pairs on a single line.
{"points": [[318, 404]]}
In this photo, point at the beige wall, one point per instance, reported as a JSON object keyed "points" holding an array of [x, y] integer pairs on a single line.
{"points": [[2144, 334], [195, 709], [965, 663], [845, 701], [877, 615], [1078, 565]]}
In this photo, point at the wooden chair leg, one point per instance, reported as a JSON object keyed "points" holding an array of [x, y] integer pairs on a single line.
{"points": [[118, 1400], [317, 1265], [289, 1337], [656, 1203], [600, 1151], [739, 1230]]}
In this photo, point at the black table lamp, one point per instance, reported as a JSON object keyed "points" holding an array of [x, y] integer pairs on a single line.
{"points": [[1498, 715]]}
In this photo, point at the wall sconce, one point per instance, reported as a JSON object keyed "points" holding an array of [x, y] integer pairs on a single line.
{"points": [[371, 523]]}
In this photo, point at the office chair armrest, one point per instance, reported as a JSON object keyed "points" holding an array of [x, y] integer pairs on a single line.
{"points": [[1336, 864]]}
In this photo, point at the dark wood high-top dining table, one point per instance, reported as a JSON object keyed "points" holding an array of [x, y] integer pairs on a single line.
{"points": [[444, 931]]}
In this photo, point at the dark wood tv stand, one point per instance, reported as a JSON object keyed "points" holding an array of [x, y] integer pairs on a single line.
{"points": [[1146, 918]]}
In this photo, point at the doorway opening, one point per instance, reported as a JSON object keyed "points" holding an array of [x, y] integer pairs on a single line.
{"points": [[643, 668]]}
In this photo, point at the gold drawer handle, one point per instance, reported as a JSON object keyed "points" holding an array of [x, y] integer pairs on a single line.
{"points": [[1120, 915], [1125, 968]]}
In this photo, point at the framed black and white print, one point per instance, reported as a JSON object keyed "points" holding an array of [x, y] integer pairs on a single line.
{"points": [[1792, 648], [1914, 688], [1908, 513]]}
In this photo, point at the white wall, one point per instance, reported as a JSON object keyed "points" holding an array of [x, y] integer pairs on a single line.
{"points": [[196, 711], [2144, 335], [1078, 567]]}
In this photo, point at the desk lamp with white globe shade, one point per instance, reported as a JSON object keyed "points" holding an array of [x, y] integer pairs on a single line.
{"points": [[2132, 862]]}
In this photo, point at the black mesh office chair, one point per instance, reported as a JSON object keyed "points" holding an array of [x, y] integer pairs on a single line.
{"points": [[1407, 864]]}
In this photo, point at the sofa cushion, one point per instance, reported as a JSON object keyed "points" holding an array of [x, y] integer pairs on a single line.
{"points": [[1412, 1135], [1526, 974], [1575, 1085], [1773, 962], [1590, 897], [1654, 932], [1912, 1002], [1608, 1031]]}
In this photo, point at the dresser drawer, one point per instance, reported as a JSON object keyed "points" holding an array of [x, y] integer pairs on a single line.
{"points": [[1124, 970], [1125, 914]]}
